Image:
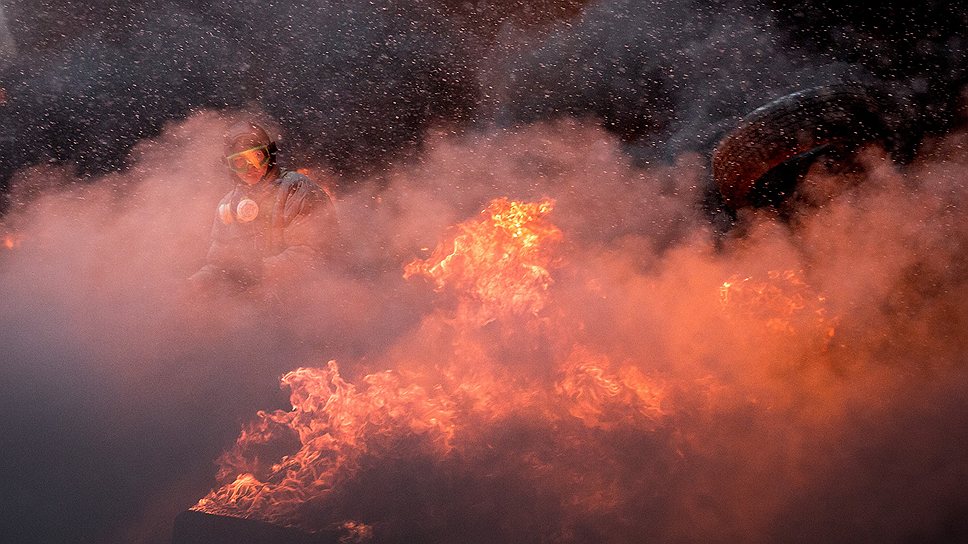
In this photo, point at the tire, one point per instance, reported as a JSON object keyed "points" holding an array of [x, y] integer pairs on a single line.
{"points": [[784, 135]]}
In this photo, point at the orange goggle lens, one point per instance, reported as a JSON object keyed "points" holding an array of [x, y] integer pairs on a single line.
{"points": [[255, 157]]}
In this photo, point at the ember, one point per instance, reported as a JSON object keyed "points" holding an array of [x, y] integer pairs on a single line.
{"points": [[11, 241]]}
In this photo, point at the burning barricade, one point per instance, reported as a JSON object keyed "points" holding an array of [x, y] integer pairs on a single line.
{"points": [[496, 406]]}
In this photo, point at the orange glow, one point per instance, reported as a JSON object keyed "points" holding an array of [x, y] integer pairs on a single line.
{"points": [[604, 397], [12, 241], [500, 264], [782, 303], [499, 269], [332, 424]]}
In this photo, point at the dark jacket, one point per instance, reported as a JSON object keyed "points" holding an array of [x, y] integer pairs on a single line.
{"points": [[294, 230]]}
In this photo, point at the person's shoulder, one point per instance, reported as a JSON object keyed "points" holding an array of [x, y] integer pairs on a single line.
{"points": [[298, 182], [293, 177]]}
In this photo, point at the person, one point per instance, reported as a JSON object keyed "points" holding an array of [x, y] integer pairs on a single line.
{"points": [[274, 224]]}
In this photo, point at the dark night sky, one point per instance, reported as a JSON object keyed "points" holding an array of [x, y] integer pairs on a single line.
{"points": [[117, 394]]}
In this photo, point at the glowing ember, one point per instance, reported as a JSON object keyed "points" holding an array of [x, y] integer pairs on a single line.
{"points": [[11, 241]]}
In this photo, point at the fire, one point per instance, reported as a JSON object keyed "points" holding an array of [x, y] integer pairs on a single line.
{"points": [[501, 262], [561, 431], [322, 440], [500, 267], [783, 303], [605, 398]]}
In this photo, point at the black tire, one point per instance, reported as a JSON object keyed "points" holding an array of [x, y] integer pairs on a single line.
{"points": [[792, 130]]}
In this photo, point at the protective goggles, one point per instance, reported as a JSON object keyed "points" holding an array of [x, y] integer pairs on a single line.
{"points": [[254, 157]]}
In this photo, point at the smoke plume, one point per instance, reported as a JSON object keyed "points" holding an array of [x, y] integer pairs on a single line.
{"points": [[776, 423], [806, 374]]}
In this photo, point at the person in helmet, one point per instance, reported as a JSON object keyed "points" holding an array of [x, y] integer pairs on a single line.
{"points": [[274, 223]]}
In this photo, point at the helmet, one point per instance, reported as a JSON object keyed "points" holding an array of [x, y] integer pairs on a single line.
{"points": [[246, 137]]}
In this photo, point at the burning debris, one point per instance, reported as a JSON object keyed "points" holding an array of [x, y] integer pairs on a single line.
{"points": [[586, 442], [291, 467]]}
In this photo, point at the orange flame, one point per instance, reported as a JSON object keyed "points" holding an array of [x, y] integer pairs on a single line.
{"points": [[332, 424], [456, 408], [603, 398], [499, 266], [783, 303], [500, 263]]}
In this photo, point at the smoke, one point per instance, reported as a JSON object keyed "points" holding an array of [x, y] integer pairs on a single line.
{"points": [[7, 46], [667, 77], [818, 404], [83, 94], [87, 83], [673, 76], [106, 358], [119, 389]]}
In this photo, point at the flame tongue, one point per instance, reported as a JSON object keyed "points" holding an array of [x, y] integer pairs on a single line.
{"points": [[782, 303], [335, 424], [603, 397], [388, 417], [498, 264]]}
